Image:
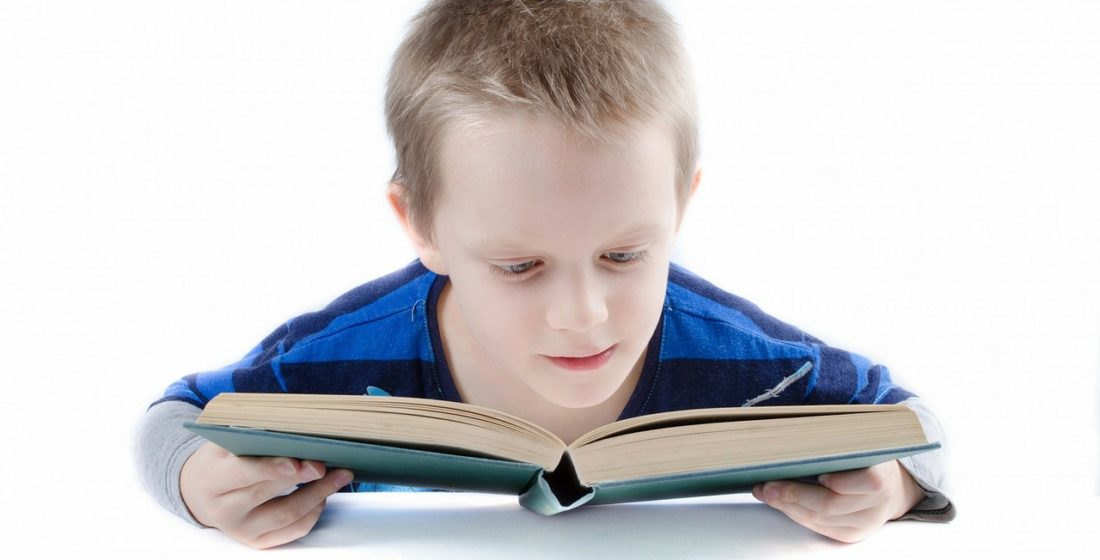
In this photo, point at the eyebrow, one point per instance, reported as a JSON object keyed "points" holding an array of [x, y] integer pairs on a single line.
{"points": [[646, 228]]}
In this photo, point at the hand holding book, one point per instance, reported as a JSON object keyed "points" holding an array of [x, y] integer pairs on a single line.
{"points": [[246, 497], [846, 506]]}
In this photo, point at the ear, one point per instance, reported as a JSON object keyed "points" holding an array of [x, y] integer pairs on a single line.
{"points": [[691, 194], [428, 253], [695, 181]]}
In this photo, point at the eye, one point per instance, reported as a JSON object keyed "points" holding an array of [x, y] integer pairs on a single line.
{"points": [[513, 270], [628, 258]]}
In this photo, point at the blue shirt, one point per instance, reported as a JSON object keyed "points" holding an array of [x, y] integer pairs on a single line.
{"points": [[710, 349]]}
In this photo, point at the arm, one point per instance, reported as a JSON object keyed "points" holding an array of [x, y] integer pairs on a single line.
{"points": [[249, 499], [163, 446]]}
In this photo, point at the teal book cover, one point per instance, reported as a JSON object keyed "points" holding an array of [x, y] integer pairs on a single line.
{"points": [[547, 492]]}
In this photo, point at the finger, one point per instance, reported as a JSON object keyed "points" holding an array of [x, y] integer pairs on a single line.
{"points": [[250, 497], [814, 498], [286, 510], [871, 480], [847, 528], [235, 472], [292, 532], [863, 519]]}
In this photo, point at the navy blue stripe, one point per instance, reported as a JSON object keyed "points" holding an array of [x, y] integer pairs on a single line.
{"points": [[258, 379], [192, 385], [353, 377], [841, 378], [721, 383]]}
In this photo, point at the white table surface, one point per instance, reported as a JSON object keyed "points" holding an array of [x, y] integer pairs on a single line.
{"points": [[445, 525]]}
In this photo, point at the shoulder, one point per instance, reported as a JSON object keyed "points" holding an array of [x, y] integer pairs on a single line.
{"points": [[375, 334], [712, 314], [719, 349], [395, 293], [383, 319]]}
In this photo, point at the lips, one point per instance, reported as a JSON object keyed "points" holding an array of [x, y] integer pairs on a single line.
{"points": [[584, 363]]}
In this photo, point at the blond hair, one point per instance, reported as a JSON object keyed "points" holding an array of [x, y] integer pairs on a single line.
{"points": [[594, 66]]}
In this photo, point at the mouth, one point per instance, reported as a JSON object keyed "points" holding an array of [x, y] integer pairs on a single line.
{"points": [[583, 363]]}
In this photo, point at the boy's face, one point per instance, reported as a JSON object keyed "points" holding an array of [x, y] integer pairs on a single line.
{"points": [[556, 250]]}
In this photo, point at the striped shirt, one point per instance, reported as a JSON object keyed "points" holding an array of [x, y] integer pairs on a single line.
{"points": [[710, 349]]}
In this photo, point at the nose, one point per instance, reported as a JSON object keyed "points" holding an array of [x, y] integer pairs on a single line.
{"points": [[576, 305]]}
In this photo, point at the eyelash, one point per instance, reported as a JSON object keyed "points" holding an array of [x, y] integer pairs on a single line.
{"points": [[635, 258]]}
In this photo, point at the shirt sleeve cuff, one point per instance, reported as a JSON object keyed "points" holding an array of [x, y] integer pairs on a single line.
{"points": [[927, 470]]}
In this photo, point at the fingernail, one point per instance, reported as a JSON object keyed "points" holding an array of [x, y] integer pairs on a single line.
{"points": [[771, 493], [342, 478]]}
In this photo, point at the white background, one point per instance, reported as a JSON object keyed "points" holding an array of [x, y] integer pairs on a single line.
{"points": [[914, 181]]}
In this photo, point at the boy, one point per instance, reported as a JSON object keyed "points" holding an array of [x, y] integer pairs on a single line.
{"points": [[546, 154]]}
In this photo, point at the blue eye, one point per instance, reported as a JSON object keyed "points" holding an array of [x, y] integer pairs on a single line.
{"points": [[519, 268], [513, 270], [628, 258]]}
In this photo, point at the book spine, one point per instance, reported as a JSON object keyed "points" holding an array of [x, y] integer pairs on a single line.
{"points": [[541, 498]]}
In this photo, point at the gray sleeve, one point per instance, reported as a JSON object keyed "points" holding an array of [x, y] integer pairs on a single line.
{"points": [[927, 469], [163, 446]]}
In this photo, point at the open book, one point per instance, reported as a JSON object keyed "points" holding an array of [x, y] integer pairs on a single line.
{"points": [[446, 445]]}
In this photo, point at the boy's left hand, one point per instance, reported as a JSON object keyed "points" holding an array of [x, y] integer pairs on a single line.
{"points": [[849, 505]]}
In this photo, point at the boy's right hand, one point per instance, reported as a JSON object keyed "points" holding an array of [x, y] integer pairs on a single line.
{"points": [[246, 497]]}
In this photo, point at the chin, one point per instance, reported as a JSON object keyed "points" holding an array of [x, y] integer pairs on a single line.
{"points": [[582, 398]]}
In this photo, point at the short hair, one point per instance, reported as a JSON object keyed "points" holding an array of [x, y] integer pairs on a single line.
{"points": [[594, 66]]}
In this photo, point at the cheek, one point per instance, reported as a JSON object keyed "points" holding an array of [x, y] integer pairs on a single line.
{"points": [[638, 300], [498, 315]]}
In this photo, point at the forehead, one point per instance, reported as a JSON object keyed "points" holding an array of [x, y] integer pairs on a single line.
{"points": [[525, 178], [513, 134]]}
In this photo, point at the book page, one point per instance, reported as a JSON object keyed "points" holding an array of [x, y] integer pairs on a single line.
{"points": [[707, 415], [403, 422], [722, 445]]}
